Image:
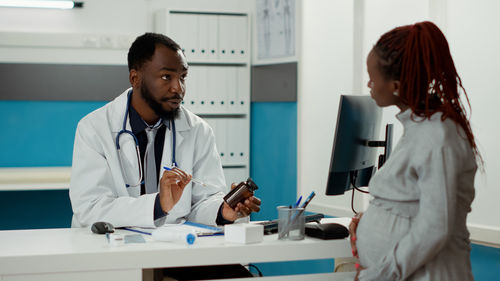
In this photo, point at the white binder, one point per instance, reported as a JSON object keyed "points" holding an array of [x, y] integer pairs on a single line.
{"points": [[243, 140], [231, 83], [212, 75], [221, 136], [203, 89], [225, 38], [191, 99], [208, 34], [237, 141], [237, 28], [241, 38], [243, 92], [216, 88], [183, 29]]}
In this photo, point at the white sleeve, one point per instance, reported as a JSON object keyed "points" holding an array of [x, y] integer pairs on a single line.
{"points": [[206, 200], [92, 191], [437, 182]]}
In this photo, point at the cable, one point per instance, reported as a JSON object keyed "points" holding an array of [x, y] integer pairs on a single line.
{"points": [[352, 202], [360, 190], [354, 176]]}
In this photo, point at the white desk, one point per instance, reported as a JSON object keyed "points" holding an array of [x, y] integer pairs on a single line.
{"points": [[77, 254]]}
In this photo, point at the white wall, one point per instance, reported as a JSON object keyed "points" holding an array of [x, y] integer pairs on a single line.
{"points": [[325, 72], [94, 24], [332, 63], [474, 43], [127, 18], [103, 16]]}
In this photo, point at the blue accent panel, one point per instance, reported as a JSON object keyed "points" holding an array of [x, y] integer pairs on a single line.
{"points": [[273, 155], [485, 262], [35, 209], [40, 133], [273, 166]]}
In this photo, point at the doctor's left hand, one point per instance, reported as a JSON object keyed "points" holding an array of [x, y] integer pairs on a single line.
{"points": [[172, 185], [252, 204]]}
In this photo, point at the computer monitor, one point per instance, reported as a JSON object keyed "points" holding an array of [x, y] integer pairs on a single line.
{"points": [[354, 152]]}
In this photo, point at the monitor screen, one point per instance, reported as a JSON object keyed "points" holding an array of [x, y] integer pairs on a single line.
{"points": [[352, 160]]}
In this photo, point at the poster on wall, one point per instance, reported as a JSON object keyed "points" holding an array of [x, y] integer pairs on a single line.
{"points": [[275, 28]]}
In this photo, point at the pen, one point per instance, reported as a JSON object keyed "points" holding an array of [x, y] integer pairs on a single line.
{"points": [[309, 198], [192, 179], [298, 202], [135, 230]]}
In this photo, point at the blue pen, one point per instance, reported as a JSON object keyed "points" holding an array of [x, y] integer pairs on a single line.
{"points": [[298, 202], [308, 199], [192, 179], [135, 230]]}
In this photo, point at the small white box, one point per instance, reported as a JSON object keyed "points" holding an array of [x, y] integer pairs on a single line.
{"points": [[244, 233]]}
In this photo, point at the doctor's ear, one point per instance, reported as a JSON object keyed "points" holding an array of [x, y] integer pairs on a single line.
{"points": [[135, 78]]}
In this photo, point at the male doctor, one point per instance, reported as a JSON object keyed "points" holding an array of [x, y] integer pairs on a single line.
{"points": [[120, 151]]}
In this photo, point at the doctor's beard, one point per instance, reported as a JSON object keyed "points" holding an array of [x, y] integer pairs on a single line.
{"points": [[156, 106]]}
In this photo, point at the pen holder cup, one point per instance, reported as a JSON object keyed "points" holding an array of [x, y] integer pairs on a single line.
{"points": [[291, 223]]}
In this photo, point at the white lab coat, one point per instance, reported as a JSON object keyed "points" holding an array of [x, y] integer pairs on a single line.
{"points": [[97, 188]]}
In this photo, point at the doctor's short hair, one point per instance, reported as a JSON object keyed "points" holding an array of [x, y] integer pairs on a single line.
{"points": [[143, 48]]}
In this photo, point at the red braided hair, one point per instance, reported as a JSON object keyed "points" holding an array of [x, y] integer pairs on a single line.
{"points": [[418, 57]]}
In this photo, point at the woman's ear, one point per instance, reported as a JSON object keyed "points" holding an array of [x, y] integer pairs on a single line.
{"points": [[396, 86]]}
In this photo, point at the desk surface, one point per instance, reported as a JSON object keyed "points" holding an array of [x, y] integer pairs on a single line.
{"points": [[77, 249]]}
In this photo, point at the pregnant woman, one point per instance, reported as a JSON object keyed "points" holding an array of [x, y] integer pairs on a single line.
{"points": [[415, 226]]}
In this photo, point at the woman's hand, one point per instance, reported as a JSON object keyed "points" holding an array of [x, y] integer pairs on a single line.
{"points": [[172, 185], [353, 226], [358, 270]]}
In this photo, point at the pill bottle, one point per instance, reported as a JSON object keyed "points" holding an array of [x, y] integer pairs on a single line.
{"points": [[240, 193]]}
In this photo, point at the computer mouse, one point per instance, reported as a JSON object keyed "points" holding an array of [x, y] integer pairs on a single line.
{"points": [[102, 227], [327, 230]]}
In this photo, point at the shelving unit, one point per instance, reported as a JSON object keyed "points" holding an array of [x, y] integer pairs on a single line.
{"points": [[217, 47]]}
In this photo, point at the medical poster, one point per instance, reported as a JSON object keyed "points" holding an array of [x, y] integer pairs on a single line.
{"points": [[275, 28]]}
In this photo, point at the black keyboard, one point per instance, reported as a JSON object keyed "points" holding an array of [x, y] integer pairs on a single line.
{"points": [[271, 226]]}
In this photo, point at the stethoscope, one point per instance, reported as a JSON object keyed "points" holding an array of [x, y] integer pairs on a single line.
{"points": [[125, 131]]}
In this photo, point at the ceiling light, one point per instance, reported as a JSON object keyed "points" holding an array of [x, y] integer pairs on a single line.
{"points": [[41, 4]]}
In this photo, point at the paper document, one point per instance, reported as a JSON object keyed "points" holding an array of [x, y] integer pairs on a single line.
{"points": [[197, 228]]}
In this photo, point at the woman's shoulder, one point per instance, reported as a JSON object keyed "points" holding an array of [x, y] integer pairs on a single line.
{"points": [[437, 132]]}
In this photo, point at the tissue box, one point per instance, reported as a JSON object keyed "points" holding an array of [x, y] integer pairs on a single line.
{"points": [[244, 233]]}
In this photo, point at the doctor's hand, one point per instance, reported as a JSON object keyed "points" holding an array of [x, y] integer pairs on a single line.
{"points": [[252, 204], [172, 185], [353, 227]]}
